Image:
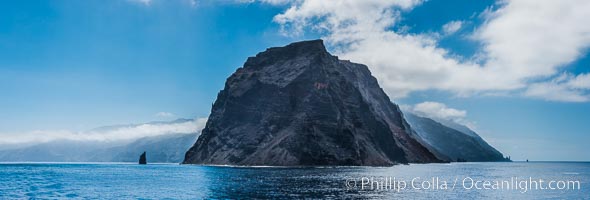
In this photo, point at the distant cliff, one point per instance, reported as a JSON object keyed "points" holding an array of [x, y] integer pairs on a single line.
{"points": [[299, 105], [451, 141]]}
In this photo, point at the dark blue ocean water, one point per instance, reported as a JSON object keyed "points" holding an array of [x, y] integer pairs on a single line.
{"points": [[423, 181]]}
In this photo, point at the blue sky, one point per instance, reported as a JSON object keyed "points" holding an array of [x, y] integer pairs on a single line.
{"points": [[76, 65]]}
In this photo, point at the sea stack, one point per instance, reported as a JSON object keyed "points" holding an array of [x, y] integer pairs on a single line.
{"points": [[142, 159], [298, 105]]}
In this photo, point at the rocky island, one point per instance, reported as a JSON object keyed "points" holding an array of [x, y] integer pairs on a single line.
{"points": [[298, 105]]}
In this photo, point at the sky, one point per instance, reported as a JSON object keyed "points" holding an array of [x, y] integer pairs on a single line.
{"points": [[515, 71]]}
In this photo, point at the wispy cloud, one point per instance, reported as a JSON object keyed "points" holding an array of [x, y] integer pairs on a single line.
{"points": [[111, 134], [438, 110], [452, 27], [565, 87]]}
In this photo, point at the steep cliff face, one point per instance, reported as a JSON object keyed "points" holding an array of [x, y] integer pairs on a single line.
{"points": [[452, 142], [299, 105]]}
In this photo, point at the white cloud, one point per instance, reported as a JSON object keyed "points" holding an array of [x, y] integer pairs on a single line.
{"points": [[343, 16], [581, 81], [124, 133], [523, 41], [529, 39], [165, 114], [438, 111], [452, 27], [566, 88]]}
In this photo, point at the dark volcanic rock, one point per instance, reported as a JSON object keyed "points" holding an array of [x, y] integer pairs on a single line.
{"points": [[299, 105], [142, 160]]}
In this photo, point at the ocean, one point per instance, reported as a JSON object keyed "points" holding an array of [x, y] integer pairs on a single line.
{"points": [[516, 180]]}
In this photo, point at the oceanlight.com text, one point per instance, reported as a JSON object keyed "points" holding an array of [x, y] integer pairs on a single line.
{"points": [[520, 184]]}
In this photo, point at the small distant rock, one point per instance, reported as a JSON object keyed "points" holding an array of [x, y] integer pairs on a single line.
{"points": [[142, 159]]}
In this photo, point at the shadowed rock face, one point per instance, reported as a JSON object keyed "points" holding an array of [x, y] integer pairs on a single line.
{"points": [[299, 105], [452, 142]]}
